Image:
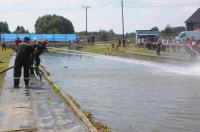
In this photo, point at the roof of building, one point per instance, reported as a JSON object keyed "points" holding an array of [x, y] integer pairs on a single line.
{"points": [[194, 18]]}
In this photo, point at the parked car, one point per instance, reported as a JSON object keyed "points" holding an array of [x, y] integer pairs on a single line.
{"points": [[183, 36]]}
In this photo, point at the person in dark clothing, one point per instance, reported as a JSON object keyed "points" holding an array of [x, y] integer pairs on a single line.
{"points": [[37, 50], [3, 46], [89, 41], [22, 60], [93, 40], [17, 42], [119, 42], [158, 47], [124, 43]]}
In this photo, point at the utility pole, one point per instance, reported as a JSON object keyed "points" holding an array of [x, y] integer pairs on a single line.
{"points": [[0, 31], [122, 4], [86, 9]]}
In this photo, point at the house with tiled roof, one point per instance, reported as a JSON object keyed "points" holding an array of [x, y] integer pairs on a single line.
{"points": [[193, 22]]}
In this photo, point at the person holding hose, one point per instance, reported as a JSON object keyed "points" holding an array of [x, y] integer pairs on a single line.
{"points": [[22, 60], [37, 50]]}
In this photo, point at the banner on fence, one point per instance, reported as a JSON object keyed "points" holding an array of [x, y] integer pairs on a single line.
{"points": [[49, 37]]}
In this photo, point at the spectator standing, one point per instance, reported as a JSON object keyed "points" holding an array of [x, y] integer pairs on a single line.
{"points": [[119, 42], [93, 40], [113, 46], [158, 47], [3, 45], [89, 40], [173, 45], [142, 41], [124, 43]]}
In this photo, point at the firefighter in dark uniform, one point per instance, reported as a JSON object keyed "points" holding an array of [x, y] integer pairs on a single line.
{"points": [[22, 60], [37, 50]]}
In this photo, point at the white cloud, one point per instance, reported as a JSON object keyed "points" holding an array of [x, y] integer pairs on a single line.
{"points": [[188, 10], [9, 2], [111, 7], [103, 14]]}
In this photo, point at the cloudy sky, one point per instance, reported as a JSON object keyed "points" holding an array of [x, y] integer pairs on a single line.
{"points": [[103, 14]]}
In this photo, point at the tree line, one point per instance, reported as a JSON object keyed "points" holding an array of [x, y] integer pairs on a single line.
{"points": [[58, 24], [103, 35], [169, 31], [44, 25]]}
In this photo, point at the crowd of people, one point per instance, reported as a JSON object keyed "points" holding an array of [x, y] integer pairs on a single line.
{"points": [[91, 40], [158, 44], [120, 43], [150, 43], [194, 47]]}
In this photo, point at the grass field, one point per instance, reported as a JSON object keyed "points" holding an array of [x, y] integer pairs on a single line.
{"points": [[103, 49], [5, 59]]}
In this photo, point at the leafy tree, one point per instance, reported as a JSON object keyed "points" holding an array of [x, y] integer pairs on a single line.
{"points": [[179, 29], [4, 27], [53, 24], [20, 29], [109, 35], [111, 32], [104, 35], [154, 29], [53, 30], [133, 37], [168, 29], [172, 31]]}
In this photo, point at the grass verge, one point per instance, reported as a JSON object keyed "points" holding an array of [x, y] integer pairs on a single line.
{"points": [[5, 59]]}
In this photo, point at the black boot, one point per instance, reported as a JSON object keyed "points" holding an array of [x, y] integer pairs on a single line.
{"points": [[16, 86]]}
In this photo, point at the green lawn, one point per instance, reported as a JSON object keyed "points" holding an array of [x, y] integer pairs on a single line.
{"points": [[5, 58], [103, 49], [58, 49]]}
